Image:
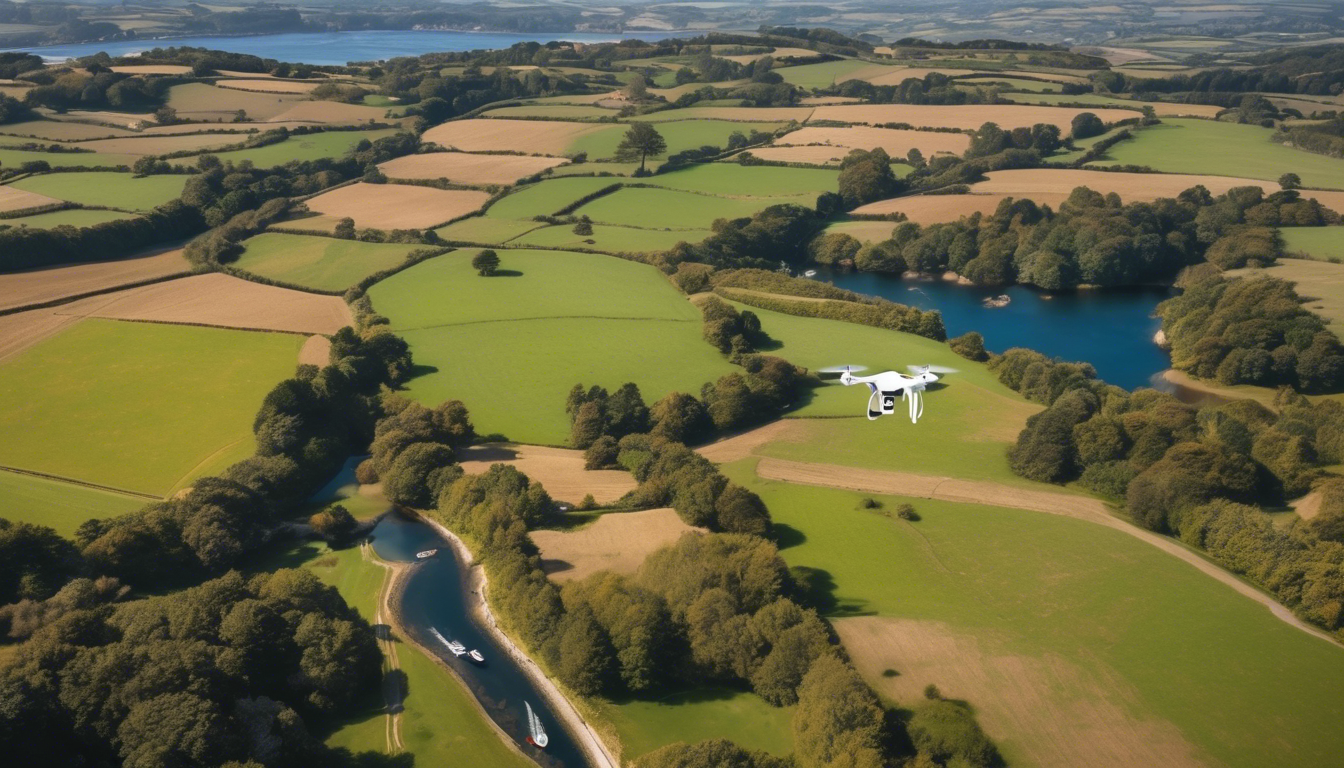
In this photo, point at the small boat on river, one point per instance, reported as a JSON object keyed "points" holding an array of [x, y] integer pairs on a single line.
{"points": [[536, 735], [426, 553], [810, 273], [476, 656], [455, 647]]}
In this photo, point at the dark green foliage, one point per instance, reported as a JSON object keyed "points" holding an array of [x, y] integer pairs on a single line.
{"points": [[970, 345], [946, 731], [1045, 451], [29, 247], [670, 474], [681, 418], [594, 413], [774, 234], [838, 721], [730, 331], [834, 248], [716, 753], [641, 141], [602, 453], [486, 263], [335, 523], [1188, 475], [34, 561], [1086, 125], [866, 177], [989, 139]]}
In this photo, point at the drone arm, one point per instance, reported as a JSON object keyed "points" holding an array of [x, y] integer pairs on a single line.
{"points": [[849, 379]]}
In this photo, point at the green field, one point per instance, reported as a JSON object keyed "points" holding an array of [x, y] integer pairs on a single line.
{"points": [[74, 217], [1185, 145], [863, 231], [1117, 614], [612, 239], [107, 190], [139, 406], [546, 197], [552, 112], [311, 146], [324, 263], [581, 169], [63, 506], [742, 717], [1321, 243], [13, 158], [757, 181], [822, 75], [512, 347], [680, 135], [674, 209], [484, 229]]}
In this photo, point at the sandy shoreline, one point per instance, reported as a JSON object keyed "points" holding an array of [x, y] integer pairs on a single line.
{"points": [[569, 717]]}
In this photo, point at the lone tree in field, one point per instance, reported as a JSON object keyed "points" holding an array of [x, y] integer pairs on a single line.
{"points": [[1290, 181], [1085, 125], [641, 141], [486, 263]]}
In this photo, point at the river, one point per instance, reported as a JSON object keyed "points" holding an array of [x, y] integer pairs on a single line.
{"points": [[1111, 329], [340, 48], [435, 597]]}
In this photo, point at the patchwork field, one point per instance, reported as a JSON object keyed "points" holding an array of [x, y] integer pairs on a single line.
{"points": [[54, 130], [1324, 243], [1161, 108], [511, 347], [1100, 650], [464, 168], [810, 155], [1203, 146], [897, 143], [863, 231], [969, 116], [675, 209], [63, 506], [106, 190], [616, 542], [14, 158], [542, 137], [546, 197], [560, 470], [203, 102], [743, 114], [551, 112], [310, 146], [486, 229], [330, 113], [324, 263], [1130, 186], [828, 73], [271, 85], [75, 217], [680, 135], [611, 239], [735, 181], [19, 289], [93, 402], [162, 145], [15, 199], [397, 206]]}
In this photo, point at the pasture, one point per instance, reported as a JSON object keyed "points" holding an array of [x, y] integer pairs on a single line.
{"points": [[934, 209], [323, 263], [397, 206], [737, 181], [616, 542], [551, 112], [644, 725], [611, 239], [970, 116], [736, 113], [674, 209], [680, 135], [896, 142], [74, 217], [14, 158], [1322, 243], [828, 73], [1182, 145], [1129, 186], [156, 144], [202, 102], [465, 168], [13, 199], [511, 347], [1161, 108], [1099, 649], [107, 190], [486, 229], [56, 130], [546, 197], [63, 506], [308, 146], [124, 404]]}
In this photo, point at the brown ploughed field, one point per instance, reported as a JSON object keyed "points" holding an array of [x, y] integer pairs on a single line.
{"points": [[38, 286], [397, 206], [465, 168]]}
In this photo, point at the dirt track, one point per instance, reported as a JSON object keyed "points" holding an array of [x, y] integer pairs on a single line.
{"points": [[997, 495]]}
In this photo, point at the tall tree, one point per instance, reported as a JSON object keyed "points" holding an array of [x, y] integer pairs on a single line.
{"points": [[641, 141]]}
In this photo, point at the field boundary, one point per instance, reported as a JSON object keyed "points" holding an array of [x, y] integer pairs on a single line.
{"points": [[83, 483]]}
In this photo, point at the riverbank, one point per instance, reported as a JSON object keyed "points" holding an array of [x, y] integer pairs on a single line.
{"points": [[1189, 389], [477, 583]]}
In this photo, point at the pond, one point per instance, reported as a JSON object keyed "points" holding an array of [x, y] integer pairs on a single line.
{"points": [[1111, 329], [435, 599]]}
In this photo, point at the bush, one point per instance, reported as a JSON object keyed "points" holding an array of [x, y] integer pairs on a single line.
{"points": [[335, 523], [970, 345], [946, 731]]}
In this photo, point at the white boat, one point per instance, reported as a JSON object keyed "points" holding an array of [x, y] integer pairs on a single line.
{"points": [[426, 553], [536, 735], [476, 656], [810, 273], [457, 648]]}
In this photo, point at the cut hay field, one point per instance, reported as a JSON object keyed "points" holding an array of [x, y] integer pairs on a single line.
{"points": [[1182, 145], [511, 347], [75, 217], [1161, 108], [208, 103], [324, 263], [152, 69], [644, 725], [546, 137], [1319, 283], [811, 155], [330, 113], [125, 404], [863, 231], [897, 143], [107, 190], [968, 116], [464, 168], [36, 286], [15, 199], [397, 206], [934, 209], [680, 135], [616, 542], [560, 470], [310, 146], [153, 144], [1323, 243], [611, 239], [1129, 186], [743, 114], [270, 85], [1098, 649], [63, 506], [13, 158], [54, 130]]}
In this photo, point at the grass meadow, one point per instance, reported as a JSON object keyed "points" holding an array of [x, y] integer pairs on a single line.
{"points": [[1320, 243], [680, 135], [63, 506], [546, 197], [610, 238], [863, 231], [1114, 615], [107, 190], [745, 718], [484, 229], [311, 146], [755, 181], [822, 75], [139, 406], [674, 209], [13, 158], [553, 112], [74, 217], [1185, 145], [511, 347], [324, 263]]}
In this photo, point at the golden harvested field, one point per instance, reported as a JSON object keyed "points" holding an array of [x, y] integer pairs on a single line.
{"points": [[547, 137], [222, 300], [152, 69], [14, 199], [617, 542], [811, 155], [742, 114], [328, 112], [1060, 713], [896, 142], [1130, 186], [464, 168], [121, 119], [816, 101], [271, 85], [559, 470], [1332, 199], [397, 206], [162, 145], [37, 286], [935, 209], [201, 101], [315, 351], [966, 116], [53, 130]]}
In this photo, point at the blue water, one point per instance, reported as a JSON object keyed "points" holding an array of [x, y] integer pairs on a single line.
{"points": [[435, 597], [339, 48], [1112, 329]]}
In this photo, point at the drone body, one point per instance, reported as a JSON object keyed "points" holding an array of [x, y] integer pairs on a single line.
{"points": [[887, 386]]}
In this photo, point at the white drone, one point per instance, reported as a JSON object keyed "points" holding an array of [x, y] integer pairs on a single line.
{"points": [[886, 386]]}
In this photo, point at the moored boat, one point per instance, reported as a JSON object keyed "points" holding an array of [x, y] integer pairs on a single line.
{"points": [[426, 553], [536, 735]]}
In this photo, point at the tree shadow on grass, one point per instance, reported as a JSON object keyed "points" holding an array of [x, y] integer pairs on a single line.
{"points": [[681, 696], [505, 273], [787, 536]]}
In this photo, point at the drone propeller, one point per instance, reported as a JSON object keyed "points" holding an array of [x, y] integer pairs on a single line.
{"points": [[842, 369], [931, 369]]}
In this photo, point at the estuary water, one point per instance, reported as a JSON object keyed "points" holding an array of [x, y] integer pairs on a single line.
{"points": [[1111, 329], [435, 597], [340, 48]]}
